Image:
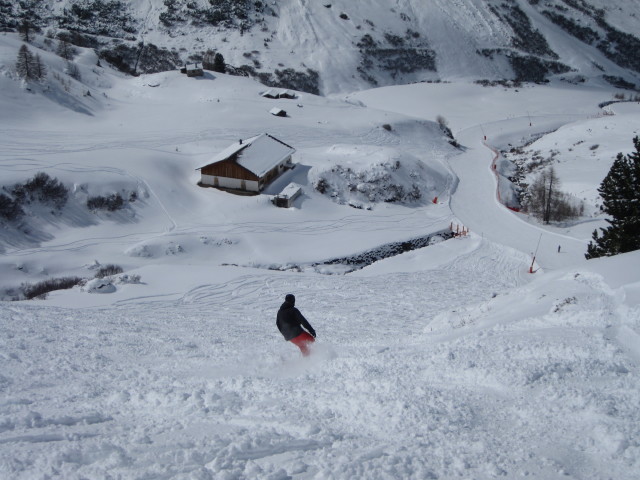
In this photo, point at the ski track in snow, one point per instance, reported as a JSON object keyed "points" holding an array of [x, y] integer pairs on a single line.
{"points": [[397, 222], [472, 368], [265, 418], [413, 377], [171, 388], [20, 142]]}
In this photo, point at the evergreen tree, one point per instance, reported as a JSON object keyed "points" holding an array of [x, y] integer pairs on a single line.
{"points": [[218, 63], [25, 66], [620, 192]]}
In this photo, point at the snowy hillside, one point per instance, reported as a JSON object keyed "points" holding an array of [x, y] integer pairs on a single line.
{"points": [[447, 361], [343, 45]]}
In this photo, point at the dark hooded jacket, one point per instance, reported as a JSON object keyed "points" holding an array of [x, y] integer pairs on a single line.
{"points": [[290, 321]]}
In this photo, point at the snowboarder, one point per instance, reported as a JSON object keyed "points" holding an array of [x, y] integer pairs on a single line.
{"points": [[290, 322]]}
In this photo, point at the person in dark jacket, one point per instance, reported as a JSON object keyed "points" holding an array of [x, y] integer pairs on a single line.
{"points": [[290, 322]]}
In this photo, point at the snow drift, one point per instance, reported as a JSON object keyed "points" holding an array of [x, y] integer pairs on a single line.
{"points": [[362, 175]]}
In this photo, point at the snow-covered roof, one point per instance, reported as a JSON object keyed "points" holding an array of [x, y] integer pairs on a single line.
{"points": [[289, 191], [257, 154], [277, 111], [271, 93]]}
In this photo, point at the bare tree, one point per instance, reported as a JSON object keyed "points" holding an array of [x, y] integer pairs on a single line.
{"points": [[25, 65], [73, 71], [207, 59], [547, 202], [40, 68], [66, 50]]}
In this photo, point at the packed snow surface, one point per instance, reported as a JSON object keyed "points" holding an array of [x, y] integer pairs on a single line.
{"points": [[451, 361]]}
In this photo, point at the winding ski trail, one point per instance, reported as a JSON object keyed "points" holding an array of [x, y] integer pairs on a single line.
{"points": [[476, 205]]}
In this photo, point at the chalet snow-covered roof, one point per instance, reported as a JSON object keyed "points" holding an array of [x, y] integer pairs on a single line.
{"points": [[257, 154], [272, 93]]}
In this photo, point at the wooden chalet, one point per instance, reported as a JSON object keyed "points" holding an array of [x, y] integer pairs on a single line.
{"points": [[248, 165], [287, 94], [272, 93]]}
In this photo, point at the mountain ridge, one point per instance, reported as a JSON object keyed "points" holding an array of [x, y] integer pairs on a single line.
{"points": [[344, 46]]}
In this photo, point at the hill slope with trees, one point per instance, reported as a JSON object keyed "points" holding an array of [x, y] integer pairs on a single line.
{"points": [[345, 46]]}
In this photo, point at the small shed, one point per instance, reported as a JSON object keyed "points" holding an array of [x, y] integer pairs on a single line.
{"points": [[287, 196], [248, 165], [278, 112], [192, 70]]}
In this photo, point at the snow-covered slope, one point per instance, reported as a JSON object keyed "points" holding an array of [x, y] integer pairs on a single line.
{"points": [[343, 45], [146, 137], [415, 375], [450, 361]]}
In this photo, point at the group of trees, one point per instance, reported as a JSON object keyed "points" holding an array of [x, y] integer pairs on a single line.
{"points": [[26, 16], [41, 188], [547, 202], [110, 203], [30, 66], [29, 18], [620, 192], [214, 61], [229, 13], [618, 46], [110, 18]]}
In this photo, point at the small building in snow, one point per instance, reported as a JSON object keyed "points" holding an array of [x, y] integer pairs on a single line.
{"points": [[192, 70], [277, 112], [287, 94], [287, 196], [272, 93], [248, 165]]}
